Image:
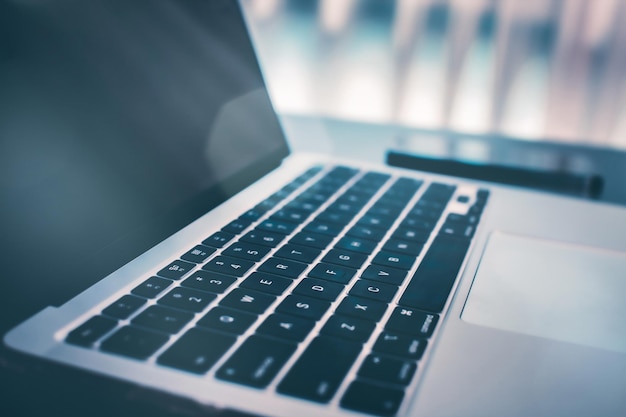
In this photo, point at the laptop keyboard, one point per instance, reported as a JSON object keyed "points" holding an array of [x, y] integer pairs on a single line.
{"points": [[300, 290]]}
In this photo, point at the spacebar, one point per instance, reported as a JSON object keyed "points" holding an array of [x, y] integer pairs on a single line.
{"points": [[431, 284]]}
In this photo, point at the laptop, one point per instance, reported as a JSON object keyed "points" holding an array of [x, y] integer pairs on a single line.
{"points": [[159, 233]]}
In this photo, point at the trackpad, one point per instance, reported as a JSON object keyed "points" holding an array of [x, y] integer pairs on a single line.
{"points": [[549, 289]]}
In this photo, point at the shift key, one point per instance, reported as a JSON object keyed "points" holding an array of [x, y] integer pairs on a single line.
{"points": [[320, 370]]}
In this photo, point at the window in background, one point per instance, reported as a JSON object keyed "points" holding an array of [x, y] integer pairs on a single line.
{"points": [[534, 69]]}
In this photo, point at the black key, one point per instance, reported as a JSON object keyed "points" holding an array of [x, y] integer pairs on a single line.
{"points": [[314, 240], [366, 232], [176, 269], [373, 290], [375, 178], [440, 191], [433, 200], [248, 300], [134, 342], [319, 196], [151, 287], [283, 267], [398, 344], [319, 288], [431, 284], [362, 308], [356, 245], [394, 203], [277, 226], [384, 274], [394, 260], [245, 250], [403, 186], [262, 237], [298, 253], [286, 327], [198, 254], [407, 184], [457, 229], [267, 283], [307, 206], [339, 218], [475, 210], [431, 204], [90, 331], [197, 350], [395, 199], [292, 216], [382, 210], [302, 306], [482, 195], [317, 374], [379, 224], [334, 183], [342, 173], [187, 299], [388, 370], [324, 188], [208, 281], [411, 234], [161, 318], [351, 328], [313, 196], [345, 207], [218, 239], [329, 229], [404, 247], [372, 399], [376, 221], [425, 213], [256, 362], [418, 223], [227, 320], [332, 273], [459, 218], [413, 322], [345, 258], [237, 226], [367, 190], [357, 198], [251, 215], [228, 265], [124, 307]]}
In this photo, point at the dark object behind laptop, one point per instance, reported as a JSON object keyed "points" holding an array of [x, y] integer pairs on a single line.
{"points": [[589, 186]]}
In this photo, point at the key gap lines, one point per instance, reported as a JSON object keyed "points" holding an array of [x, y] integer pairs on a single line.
{"points": [[314, 332], [334, 403], [237, 284], [368, 345]]}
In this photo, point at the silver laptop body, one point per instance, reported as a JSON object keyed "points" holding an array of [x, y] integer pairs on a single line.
{"points": [[532, 323]]}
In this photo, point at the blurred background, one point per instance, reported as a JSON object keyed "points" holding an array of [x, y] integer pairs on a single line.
{"points": [[535, 70]]}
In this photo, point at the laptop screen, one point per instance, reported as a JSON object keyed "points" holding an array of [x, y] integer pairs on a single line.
{"points": [[121, 121]]}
